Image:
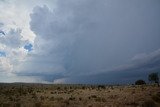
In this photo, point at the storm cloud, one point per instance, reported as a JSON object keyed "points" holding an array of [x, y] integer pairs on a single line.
{"points": [[93, 41], [93, 37]]}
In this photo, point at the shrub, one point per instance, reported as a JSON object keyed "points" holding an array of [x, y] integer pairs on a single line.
{"points": [[58, 88], [83, 87], [93, 96], [101, 87], [72, 98], [153, 77], [80, 98], [140, 82], [52, 92], [89, 97]]}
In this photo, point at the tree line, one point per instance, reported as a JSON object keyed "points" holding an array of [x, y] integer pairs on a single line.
{"points": [[153, 78]]}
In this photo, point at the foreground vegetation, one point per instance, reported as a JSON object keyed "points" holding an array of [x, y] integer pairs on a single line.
{"points": [[43, 95]]}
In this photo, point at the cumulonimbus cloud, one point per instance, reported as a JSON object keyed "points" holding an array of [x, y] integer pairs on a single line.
{"points": [[93, 41]]}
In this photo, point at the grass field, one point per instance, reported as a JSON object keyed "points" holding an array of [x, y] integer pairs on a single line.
{"points": [[49, 95]]}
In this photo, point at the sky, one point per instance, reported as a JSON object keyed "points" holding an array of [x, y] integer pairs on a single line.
{"points": [[79, 41]]}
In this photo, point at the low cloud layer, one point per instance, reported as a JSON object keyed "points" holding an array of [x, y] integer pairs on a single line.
{"points": [[79, 41], [138, 68]]}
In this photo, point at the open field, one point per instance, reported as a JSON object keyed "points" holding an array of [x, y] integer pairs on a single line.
{"points": [[48, 95]]}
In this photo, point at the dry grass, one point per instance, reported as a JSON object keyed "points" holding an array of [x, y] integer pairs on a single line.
{"points": [[43, 95]]}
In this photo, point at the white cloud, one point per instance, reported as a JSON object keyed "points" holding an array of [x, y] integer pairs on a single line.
{"points": [[14, 21], [60, 81], [5, 65]]}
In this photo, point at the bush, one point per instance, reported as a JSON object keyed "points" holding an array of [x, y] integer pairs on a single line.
{"points": [[101, 87], [80, 98], [153, 77], [140, 82], [52, 92], [72, 98], [93, 96], [58, 88]]}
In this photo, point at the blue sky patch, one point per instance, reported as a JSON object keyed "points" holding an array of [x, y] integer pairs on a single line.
{"points": [[28, 47], [2, 54]]}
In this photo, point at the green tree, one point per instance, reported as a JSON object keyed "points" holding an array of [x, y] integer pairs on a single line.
{"points": [[153, 77]]}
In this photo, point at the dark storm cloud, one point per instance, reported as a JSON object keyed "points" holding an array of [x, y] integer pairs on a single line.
{"points": [[138, 68], [94, 37]]}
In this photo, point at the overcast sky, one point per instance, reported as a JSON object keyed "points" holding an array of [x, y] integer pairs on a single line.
{"points": [[79, 41]]}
